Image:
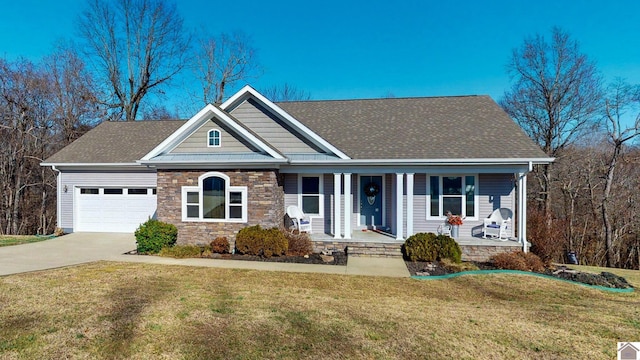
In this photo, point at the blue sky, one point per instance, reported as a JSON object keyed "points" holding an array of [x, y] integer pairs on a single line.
{"points": [[365, 49]]}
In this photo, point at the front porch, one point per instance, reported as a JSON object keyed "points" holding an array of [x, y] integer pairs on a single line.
{"points": [[379, 244]]}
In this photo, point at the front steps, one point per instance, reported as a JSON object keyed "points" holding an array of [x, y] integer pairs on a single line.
{"points": [[375, 250]]}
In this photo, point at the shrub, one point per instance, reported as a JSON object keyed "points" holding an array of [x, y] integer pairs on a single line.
{"points": [[220, 245], [429, 247], [448, 248], [518, 260], [181, 251], [298, 244], [547, 239], [153, 235], [254, 240], [420, 247]]}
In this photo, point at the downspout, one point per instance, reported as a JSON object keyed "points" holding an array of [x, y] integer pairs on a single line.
{"points": [[58, 195]]}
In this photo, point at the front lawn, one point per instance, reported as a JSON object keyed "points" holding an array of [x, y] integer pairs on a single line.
{"points": [[8, 240], [144, 311]]}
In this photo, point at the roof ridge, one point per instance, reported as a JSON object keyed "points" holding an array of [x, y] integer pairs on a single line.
{"points": [[385, 99]]}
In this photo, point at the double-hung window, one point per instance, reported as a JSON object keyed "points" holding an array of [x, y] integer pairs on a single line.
{"points": [[455, 194], [311, 194], [214, 200]]}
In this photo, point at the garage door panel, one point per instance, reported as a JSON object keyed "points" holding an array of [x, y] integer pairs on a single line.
{"points": [[114, 213]]}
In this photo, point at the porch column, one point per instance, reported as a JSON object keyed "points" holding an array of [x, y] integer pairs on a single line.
{"points": [[409, 204], [337, 189], [522, 210], [399, 210], [347, 205]]}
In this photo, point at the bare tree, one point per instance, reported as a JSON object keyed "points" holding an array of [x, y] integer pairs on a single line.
{"points": [[137, 46], [621, 98], [222, 61], [555, 96], [286, 92]]}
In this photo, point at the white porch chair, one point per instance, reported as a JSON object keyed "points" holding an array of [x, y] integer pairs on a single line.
{"points": [[300, 221], [496, 225], [444, 229]]}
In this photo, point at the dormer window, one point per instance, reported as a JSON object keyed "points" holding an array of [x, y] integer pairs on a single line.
{"points": [[214, 138]]}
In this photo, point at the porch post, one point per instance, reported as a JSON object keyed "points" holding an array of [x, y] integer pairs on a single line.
{"points": [[336, 205], [347, 205], [409, 204], [399, 210], [522, 211]]}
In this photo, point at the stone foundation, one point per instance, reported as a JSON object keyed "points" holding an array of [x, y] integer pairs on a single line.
{"points": [[265, 203], [482, 253]]}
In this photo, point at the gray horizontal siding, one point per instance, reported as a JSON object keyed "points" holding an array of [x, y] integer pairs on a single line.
{"points": [[199, 140], [74, 179], [272, 129]]}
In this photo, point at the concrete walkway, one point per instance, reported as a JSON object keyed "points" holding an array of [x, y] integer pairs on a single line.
{"points": [[78, 248]]}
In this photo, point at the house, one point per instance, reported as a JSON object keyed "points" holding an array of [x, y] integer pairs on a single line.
{"points": [[626, 351], [394, 165]]}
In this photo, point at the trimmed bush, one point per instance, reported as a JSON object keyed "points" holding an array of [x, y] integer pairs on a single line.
{"points": [[518, 260], [254, 240], [181, 251], [220, 245], [298, 244], [153, 235], [420, 247], [431, 247], [448, 248]]}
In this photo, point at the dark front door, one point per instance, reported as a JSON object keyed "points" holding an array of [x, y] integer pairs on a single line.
{"points": [[371, 201]]}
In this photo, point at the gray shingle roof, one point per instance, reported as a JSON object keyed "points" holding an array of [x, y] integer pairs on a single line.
{"points": [[116, 142], [457, 127]]}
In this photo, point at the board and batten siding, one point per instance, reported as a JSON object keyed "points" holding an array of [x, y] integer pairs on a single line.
{"points": [[272, 129], [73, 179], [198, 141]]}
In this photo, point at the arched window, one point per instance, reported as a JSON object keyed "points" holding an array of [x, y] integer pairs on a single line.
{"points": [[213, 138], [214, 199]]}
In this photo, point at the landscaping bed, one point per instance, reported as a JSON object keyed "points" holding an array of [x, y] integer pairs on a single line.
{"points": [[605, 279], [335, 258]]}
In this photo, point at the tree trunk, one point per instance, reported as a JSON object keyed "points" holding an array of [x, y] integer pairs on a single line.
{"points": [[608, 229]]}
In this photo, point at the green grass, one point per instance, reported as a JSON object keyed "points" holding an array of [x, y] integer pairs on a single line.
{"points": [[8, 240], [145, 311]]}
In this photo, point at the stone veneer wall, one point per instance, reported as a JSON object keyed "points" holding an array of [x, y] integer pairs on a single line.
{"points": [[265, 203]]}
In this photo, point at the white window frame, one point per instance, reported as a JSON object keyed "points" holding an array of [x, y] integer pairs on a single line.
{"points": [[209, 133], [442, 216], [228, 189], [320, 194]]}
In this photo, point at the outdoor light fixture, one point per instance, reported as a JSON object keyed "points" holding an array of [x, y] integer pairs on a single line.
{"points": [[65, 188]]}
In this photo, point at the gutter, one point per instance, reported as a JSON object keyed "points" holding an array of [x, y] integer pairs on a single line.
{"points": [[526, 161]]}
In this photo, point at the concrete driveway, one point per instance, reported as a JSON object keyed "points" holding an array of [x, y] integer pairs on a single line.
{"points": [[71, 249]]}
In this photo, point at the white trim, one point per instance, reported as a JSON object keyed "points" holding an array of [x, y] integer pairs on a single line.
{"points": [[228, 189], [462, 161], [409, 204], [337, 189], [476, 197], [196, 122], [209, 138], [399, 207], [348, 201], [320, 195], [247, 91], [522, 211]]}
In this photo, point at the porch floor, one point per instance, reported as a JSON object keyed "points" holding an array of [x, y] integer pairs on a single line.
{"points": [[370, 236]]}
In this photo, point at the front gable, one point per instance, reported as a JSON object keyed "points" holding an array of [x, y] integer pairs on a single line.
{"points": [[188, 145], [228, 140], [274, 124]]}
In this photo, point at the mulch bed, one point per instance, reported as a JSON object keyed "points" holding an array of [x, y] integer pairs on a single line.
{"points": [[605, 279], [336, 258]]}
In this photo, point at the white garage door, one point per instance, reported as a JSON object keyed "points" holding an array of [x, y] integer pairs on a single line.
{"points": [[114, 209]]}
